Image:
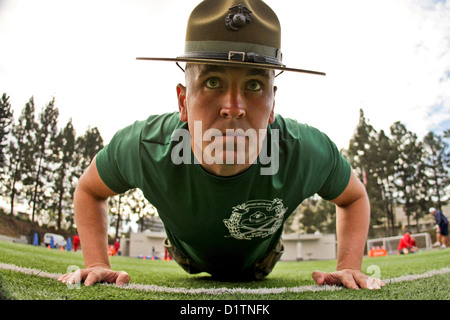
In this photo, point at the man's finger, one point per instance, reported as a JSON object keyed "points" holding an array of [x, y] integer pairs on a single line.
{"points": [[319, 277], [371, 283], [122, 278], [323, 278], [63, 278], [365, 281], [71, 278], [374, 283], [348, 280], [92, 277]]}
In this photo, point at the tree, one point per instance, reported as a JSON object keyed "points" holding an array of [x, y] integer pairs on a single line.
{"points": [[290, 224], [21, 150], [6, 119], [128, 204], [308, 220], [409, 173], [362, 155], [64, 153], [447, 133], [86, 148], [316, 214], [143, 209], [327, 210], [437, 160], [116, 204], [45, 136], [386, 156]]}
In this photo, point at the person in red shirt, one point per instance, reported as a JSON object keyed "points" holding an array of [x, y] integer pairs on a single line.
{"points": [[407, 244], [117, 246], [76, 242]]}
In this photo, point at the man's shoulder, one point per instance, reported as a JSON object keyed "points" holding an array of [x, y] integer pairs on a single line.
{"points": [[157, 128], [162, 124], [292, 129]]}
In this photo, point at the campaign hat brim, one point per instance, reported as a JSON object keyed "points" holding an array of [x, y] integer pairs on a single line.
{"points": [[232, 64]]}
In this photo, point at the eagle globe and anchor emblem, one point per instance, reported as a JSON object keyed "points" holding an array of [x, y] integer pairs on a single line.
{"points": [[255, 219], [235, 21]]}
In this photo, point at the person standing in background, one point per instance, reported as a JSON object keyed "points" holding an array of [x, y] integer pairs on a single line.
{"points": [[442, 228]]}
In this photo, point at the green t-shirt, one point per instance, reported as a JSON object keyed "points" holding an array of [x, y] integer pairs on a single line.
{"points": [[223, 223]]}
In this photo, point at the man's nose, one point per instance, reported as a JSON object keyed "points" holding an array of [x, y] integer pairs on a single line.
{"points": [[233, 105]]}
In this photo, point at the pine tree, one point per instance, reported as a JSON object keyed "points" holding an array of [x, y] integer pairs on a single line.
{"points": [[362, 155], [308, 217], [64, 153], [45, 136], [437, 159], [6, 119], [385, 158], [408, 171], [86, 148], [143, 209], [21, 150], [327, 210]]}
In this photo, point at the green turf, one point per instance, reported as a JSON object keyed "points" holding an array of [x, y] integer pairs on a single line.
{"points": [[17, 286]]}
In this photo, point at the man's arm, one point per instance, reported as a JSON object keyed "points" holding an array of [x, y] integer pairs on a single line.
{"points": [[352, 225], [91, 216]]}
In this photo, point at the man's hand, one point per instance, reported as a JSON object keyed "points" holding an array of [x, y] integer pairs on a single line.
{"points": [[96, 274], [352, 279]]}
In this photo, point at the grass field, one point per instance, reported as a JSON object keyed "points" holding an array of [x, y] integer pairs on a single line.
{"points": [[165, 280]]}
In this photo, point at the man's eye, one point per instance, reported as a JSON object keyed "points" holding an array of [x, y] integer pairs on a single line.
{"points": [[254, 85], [213, 83]]}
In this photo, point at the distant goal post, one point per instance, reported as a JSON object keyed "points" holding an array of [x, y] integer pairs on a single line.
{"points": [[423, 242]]}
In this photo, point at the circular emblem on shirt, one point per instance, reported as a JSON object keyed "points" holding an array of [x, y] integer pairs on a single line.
{"points": [[255, 219]]}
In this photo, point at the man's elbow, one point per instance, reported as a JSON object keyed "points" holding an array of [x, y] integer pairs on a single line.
{"points": [[355, 192]]}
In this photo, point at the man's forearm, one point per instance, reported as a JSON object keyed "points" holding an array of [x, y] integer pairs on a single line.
{"points": [[352, 224], [91, 216]]}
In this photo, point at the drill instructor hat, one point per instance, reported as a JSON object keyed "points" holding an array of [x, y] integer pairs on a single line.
{"points": [[234, 33]]}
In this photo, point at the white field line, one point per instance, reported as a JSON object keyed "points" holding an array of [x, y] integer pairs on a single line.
{"points": [[217, 291]]}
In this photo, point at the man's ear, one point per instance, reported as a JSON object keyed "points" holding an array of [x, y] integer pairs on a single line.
{"points": [[272, 112], [181, 96]]}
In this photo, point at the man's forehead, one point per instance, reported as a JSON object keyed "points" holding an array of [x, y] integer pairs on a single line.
{"points": [[202, 69]]}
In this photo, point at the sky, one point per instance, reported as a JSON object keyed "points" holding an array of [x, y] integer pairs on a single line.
{"points": [[390, 58]]}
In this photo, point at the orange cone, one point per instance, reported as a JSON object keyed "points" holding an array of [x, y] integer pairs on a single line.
{"points": [[62, 249]]}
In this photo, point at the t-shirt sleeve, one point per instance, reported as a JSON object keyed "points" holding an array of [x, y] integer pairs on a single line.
{"points": [[117, 160], [328, 170], [338, 177]]}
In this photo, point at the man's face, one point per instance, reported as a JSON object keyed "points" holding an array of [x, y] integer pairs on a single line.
{"points": [[226, 99]]}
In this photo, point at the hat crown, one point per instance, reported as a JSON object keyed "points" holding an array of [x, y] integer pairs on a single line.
{"points": [[207, 22], [239, 30]]}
